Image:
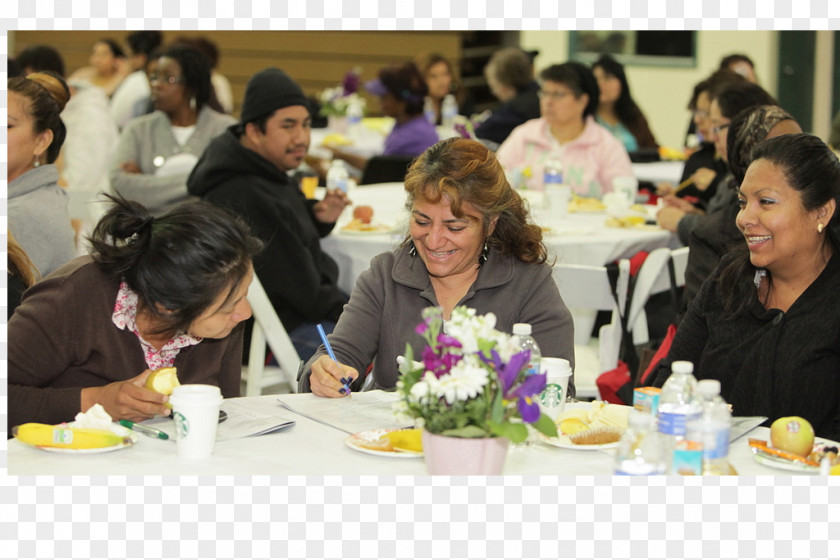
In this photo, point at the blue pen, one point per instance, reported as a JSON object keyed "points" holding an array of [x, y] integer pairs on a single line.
{"points": [[344, 380]]}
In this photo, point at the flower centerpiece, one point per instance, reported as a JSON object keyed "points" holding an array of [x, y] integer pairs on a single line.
{"points": [[472, 381], [335, 101]]}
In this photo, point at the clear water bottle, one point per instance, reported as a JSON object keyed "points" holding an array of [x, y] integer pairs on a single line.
{"points": [[552, 173], [354, 121], [338, 176], [640, 450], [524, 341], [429, 110], [448, 111], [677, 405], [712, 428]]}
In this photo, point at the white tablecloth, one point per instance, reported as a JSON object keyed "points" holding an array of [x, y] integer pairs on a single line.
{"points": [[577, 238], [311, 448]]}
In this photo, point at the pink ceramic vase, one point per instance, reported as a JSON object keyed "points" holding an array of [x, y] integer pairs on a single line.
{"points": [[464, 456]]}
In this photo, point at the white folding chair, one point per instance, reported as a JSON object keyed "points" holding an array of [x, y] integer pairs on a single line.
{"points": [[653, 278], [587, 290], [268, 329]]}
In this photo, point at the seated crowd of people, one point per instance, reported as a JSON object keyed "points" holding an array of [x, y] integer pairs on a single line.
{"points": [[201, 201]]}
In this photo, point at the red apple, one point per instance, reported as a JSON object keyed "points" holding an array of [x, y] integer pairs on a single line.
{"points": [[363, 213]]}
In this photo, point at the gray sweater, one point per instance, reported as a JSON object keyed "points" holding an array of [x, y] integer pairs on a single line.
{"points": [[148, 137], [39, 220], [388, 299]]}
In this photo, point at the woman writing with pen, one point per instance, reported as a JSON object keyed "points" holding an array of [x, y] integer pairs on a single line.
{"points": [[468, 243]]}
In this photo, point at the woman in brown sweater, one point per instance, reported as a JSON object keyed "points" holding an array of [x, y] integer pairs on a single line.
{"points": [[154, 293]]}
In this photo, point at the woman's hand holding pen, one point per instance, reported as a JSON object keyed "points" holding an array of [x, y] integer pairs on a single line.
{"points": [[326, 378]]}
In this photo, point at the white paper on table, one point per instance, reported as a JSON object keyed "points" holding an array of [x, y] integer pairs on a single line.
{"points": [[254, 419], [377, 413]]}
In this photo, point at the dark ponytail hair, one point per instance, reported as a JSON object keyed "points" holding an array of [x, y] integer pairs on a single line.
{"points": [[812, 169], [48, 94], [178, 263]]}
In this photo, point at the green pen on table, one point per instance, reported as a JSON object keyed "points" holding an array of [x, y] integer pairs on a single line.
{"points": [[145, 430]]}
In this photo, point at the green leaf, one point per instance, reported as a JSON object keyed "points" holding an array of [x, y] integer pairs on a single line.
{"points": [[516, 433], [545, 425]]}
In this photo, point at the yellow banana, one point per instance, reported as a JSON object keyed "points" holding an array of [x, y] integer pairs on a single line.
{"points": [[45, 435]]}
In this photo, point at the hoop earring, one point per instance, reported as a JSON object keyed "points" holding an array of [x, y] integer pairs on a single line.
{"points": [[820, 228], [483, 258], [412, 249]]}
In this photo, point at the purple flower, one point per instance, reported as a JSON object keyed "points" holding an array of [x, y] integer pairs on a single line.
{"points": [[447, 341], [440, 365], [529, 410], [351, 82], [421, 328], [462, 131]]}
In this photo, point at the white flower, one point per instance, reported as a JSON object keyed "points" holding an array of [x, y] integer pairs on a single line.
{"points": [[465, 381]]}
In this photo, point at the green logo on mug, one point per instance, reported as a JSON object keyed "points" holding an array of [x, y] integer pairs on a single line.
{"points": [[552, 395], [182, 425]]}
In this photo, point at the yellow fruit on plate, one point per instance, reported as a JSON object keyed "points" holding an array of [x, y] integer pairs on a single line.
{"points": [[45, 435], [835, 470], [573, 426], [407, 440], [792, 434], [163, 380]]}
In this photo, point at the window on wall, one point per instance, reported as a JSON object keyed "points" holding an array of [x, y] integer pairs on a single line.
{"points": [[643, 48]]}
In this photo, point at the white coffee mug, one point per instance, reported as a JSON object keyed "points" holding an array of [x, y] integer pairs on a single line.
{"points": [[195, 409], [628, 186]]}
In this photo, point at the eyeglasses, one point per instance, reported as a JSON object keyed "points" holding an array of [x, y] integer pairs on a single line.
{"points": [[557, 95], [171, 80], [700, 114], [721, 127]]}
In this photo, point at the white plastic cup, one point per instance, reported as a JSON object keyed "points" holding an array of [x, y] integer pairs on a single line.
{"points": [[559, 197], [196, 412], [627, 186], [553, 398]]}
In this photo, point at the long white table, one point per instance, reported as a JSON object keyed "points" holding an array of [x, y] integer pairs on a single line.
{"points": [[577, 238], [312, 448]]}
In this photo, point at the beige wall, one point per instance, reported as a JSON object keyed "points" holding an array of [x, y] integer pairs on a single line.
{"points": [[664, 92]]}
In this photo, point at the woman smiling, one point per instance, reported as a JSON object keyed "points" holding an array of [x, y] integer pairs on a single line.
{"points": [[767, 323], [468, 243]]}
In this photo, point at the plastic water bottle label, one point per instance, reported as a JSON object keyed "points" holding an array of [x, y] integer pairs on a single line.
{"points": [[552, 177], [716, 444], [341, 184], [673, 423]]}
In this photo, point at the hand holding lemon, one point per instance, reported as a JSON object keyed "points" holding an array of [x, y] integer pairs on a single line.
{"points": [[135, 399]]}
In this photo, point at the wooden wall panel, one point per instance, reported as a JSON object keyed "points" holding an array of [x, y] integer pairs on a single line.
{"points": [[315, 59]]}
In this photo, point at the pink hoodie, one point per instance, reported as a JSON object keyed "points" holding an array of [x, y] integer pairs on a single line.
{"points": [[590, 162]]}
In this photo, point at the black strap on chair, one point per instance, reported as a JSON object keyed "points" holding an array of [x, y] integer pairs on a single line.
{"points": [[385, 169]]}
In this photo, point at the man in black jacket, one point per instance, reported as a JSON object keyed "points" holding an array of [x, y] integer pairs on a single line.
{"points": [[246, 169]]}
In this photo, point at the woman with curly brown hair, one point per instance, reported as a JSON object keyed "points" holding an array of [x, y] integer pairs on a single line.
{"points": [[469, 243]]}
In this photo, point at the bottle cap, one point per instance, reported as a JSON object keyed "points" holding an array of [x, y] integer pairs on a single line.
{"points": [[523, 329], [708, 387], [682, 367]]}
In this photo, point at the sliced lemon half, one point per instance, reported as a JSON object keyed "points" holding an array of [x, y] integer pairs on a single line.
{"points": [[163, 380]]}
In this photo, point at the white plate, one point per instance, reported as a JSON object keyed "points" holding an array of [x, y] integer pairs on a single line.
{"points": [[788, 465], [357, 441], [380, 229], [116, 428], [562, 441], [783, 464]]}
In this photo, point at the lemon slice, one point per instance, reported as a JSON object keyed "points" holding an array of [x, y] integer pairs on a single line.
{"points": [[163, 380], [406, 440], [573, 426]]}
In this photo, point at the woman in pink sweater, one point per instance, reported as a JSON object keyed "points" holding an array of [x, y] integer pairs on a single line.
{"points": [[591, 156]]}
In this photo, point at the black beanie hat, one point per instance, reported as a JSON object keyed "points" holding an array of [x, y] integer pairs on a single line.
{"points": [[267, 91]]}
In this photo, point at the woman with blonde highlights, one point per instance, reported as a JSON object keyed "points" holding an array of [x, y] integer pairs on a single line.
{"points": [[37, 206], [468, 244]]}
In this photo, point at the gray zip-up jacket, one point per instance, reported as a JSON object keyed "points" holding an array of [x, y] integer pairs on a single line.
{"points": [[389, 297]]}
